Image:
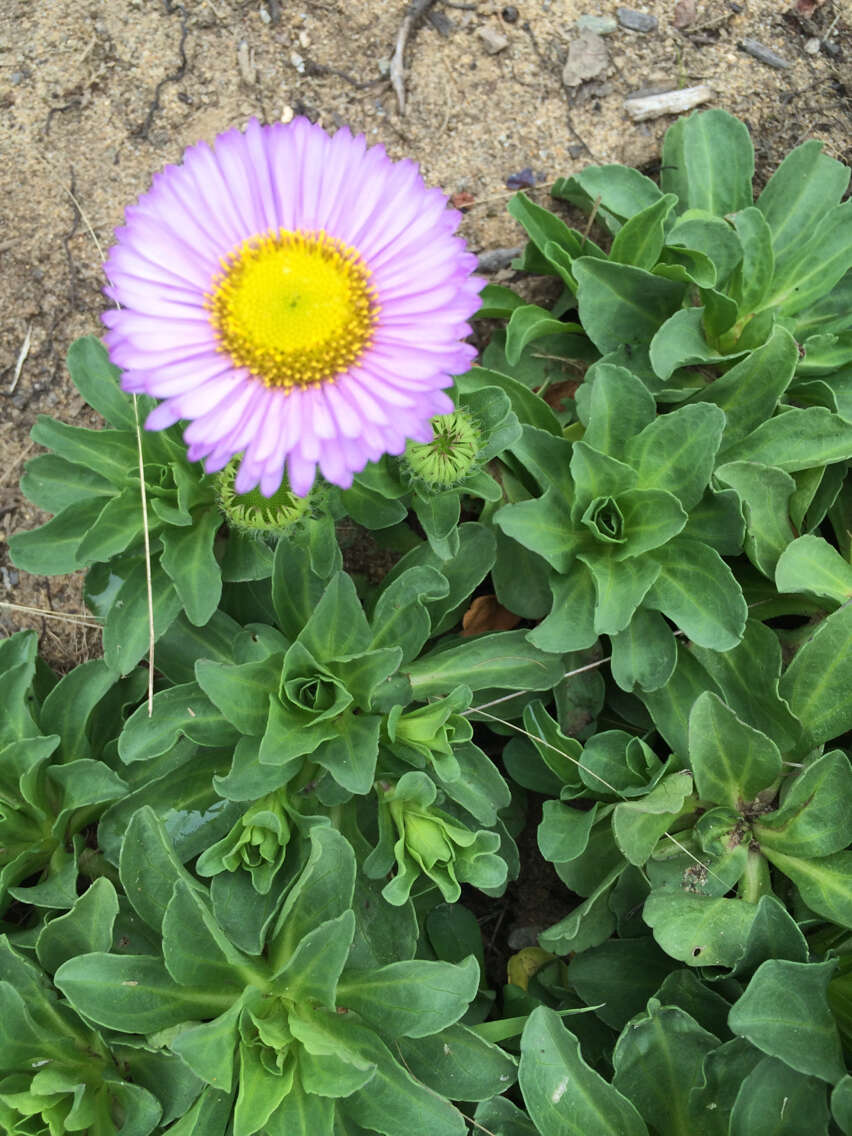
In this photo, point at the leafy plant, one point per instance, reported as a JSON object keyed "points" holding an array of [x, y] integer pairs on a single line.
{"points": [[611, 652]]}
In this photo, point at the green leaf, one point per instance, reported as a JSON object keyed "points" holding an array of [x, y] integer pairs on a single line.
{"points": [[497, 302], [564, 832], [620, 586], [68, 707], [543, 227], [241, 692], [619, 977], [337, 626], [698, 592], [708, 161], [296, 589], [638, 825], [504, 660], [110, 453], [652, 517], [118, 527], [85, 928], [458, 1064], [621, 190], [563, 1095], [208, 1049], [322, 892], [810, 564], [775, 1101], [822, 883], [126, 629], [97, 380], [813, 819], [392, 1097], [619, 406], [193, 813], [773, 934], [754, 274], [765, 494], [179, 711], [657, 1060], [400, 617], [797, 439], [817, 682], [640, 240], [620, 304], [52, 483], [731, 761], [411, 999], [804, 188], [312, 972], [816, 265], [502, 1118], [681, 342], [133, 993], [708, 238], [51, 549], [645, 653], [750, 390], [589, 924], [195, 950], [528, 323], [784, 1012], [530, 409], [188, 559], [676, 451], [570, 626], [149, 868], [841, 1103], [700, 930]]}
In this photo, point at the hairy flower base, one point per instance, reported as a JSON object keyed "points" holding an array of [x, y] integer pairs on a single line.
{"points": [[253, 513], [294, 308], [450, 455]]}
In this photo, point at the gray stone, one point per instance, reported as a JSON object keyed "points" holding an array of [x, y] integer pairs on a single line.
{"points": [[600, 25], [493, 40], [636, 21], [756, 49]]}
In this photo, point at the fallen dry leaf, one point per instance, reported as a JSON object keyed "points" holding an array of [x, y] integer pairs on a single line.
{"points": [[557, 394], [461, 200], [486, 613]]}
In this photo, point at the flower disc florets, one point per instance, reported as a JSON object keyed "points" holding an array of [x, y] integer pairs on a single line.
{"points": [[299, 298], [450, 455]]}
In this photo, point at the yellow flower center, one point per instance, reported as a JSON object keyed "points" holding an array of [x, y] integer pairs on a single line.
{"points": [[296, 309]]}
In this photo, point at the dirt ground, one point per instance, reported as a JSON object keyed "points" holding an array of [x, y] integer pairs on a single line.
{"points": [[97, 95]]}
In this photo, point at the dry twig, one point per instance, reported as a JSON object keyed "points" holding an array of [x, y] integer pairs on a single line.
{"points": [[416, 10]]}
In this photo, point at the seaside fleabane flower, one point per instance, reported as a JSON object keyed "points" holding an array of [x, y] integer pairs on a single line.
{"points": [[299, 298]]}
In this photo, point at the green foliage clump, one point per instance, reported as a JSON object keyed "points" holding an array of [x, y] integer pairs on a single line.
{"points": [[614, 648]]}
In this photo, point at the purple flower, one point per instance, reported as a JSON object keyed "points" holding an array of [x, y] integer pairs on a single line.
{"points": [[299, 298]]}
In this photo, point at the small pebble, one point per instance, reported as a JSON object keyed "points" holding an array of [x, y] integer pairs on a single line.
{"points": [[636, 21], [510, 14], [524, 179], [304, 39], [493, 41], [813, 45], [265, 17], [756, 49], [600, 25], [297, 61], [287, 114], [384, 67]]}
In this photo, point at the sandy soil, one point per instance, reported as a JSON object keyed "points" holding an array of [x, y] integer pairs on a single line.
{"points": [[95, 96]]}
